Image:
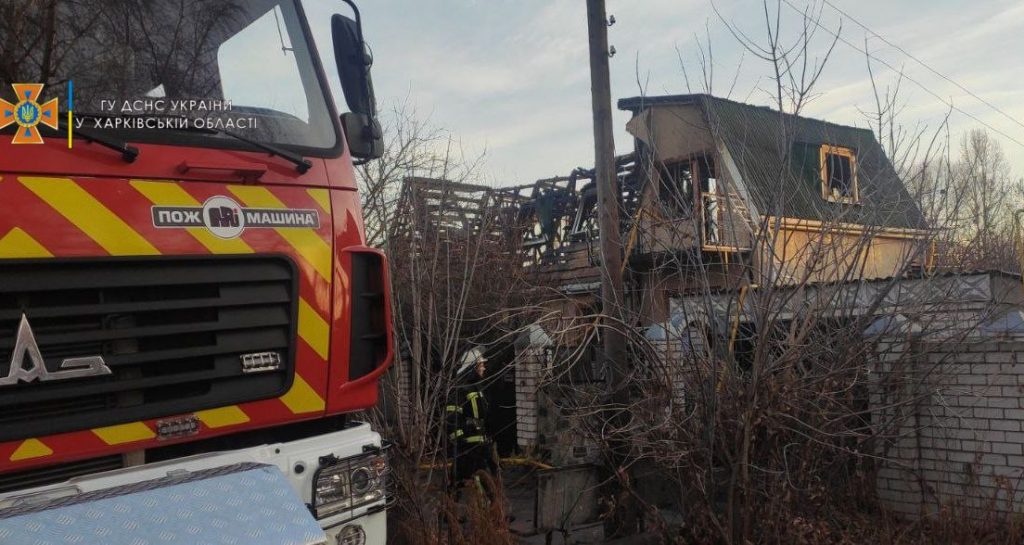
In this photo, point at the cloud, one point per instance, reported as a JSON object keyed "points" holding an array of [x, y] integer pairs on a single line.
{"points": [[513, 76]]}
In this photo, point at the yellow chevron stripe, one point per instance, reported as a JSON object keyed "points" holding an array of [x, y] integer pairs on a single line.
{"points": [[124, 433], [31, 448], [18, 244], [172, 194], [313, 329], [222, 417], [89, 215], [322, 197], [306, 242], [302, 398]]}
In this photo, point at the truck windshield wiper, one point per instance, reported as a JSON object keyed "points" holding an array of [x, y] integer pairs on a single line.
{"points": [[301, 164], [128, 152]]}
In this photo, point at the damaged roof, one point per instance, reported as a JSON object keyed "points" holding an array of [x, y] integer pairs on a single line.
{"points": [[777, 156]]}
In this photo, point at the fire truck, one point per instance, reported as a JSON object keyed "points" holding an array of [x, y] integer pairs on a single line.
{"points": [[189, 313]]}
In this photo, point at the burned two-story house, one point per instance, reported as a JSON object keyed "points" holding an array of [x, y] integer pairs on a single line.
{"points": [[716, 199], [745, 195], [722, 206], [719, 195]]}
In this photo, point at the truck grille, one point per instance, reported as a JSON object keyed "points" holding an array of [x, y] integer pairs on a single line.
{"points": [[171, 330], [23, 480]]}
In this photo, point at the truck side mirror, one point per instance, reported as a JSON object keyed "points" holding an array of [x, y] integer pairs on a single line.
{"points": [[362, 130]]}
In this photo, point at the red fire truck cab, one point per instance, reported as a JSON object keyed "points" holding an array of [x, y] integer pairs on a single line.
{"points": [[186, 298]]}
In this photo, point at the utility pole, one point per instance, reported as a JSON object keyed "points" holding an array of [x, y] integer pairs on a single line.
{"points": [[606, 178]]}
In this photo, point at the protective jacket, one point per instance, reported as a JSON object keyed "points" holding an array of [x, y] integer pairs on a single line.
{"points": [[465, 417]]}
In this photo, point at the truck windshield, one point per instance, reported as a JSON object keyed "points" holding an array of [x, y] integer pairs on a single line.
{"points": [[163, 70]]}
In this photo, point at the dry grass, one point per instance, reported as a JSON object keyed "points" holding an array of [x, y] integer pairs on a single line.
{"points": [[440, 518]]}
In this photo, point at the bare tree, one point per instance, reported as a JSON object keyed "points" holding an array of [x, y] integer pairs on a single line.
{"points": [[457, 277], [116, 48], [414, 147], [985, 230], [765, 400]]}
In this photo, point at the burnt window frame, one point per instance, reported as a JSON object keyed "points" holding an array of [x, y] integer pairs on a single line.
{"points": [[675, 191], [826, 187], [704, 169]]}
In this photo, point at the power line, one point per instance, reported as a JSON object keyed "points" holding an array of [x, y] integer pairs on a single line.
{"points": [[908, 78], [923, 64]]}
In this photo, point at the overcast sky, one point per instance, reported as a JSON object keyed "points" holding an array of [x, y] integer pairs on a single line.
{"points": [[512, 77]]}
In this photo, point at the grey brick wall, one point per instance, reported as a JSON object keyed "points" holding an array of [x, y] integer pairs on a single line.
{"points": [[955, 416]]}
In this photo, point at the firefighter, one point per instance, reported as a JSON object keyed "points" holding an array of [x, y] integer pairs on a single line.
{"points": [[472, 450]]}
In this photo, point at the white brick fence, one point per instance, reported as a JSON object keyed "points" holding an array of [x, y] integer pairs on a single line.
{"points": [[960, 408]]}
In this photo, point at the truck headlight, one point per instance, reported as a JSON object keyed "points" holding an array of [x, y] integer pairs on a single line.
{"points": [[343, 485], [353, 534]]}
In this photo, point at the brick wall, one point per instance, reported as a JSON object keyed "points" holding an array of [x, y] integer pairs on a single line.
{"points": [[959, 406], [676, 348], [946, 395], [528, 367], [546, 425]]}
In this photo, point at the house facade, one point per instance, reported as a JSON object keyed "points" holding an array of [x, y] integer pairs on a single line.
{"points": [[745, 195]]}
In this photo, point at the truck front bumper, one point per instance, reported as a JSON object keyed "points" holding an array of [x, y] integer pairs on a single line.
{"points": [[256, 496]]}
